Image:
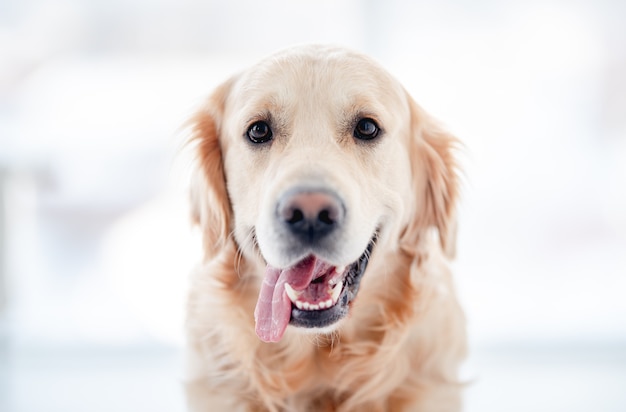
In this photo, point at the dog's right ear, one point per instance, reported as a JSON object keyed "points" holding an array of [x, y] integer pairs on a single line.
{"points": [[435, 180], [210, 205]]}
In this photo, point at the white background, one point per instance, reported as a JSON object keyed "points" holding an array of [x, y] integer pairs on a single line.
{"points": [[95, 245]]}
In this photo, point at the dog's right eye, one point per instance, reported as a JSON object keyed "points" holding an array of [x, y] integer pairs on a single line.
{"points": [[366, 129], [259, 132]]}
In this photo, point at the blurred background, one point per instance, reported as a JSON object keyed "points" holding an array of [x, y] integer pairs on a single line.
{"points": [[95, 245]]}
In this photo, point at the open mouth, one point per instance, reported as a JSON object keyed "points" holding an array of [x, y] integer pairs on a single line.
{"points": [[311, 294]]}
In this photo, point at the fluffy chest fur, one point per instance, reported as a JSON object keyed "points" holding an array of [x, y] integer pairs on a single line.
{"points": [[399, 352]]}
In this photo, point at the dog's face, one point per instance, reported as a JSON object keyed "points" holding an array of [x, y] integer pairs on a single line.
{"points": [[316, 160]]}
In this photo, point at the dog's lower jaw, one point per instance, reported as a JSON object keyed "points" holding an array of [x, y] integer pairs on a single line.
{"points": [[311, 294], [321, 319]]}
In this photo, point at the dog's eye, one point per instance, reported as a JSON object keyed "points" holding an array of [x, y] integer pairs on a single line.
{"points": [[259, 132], [366, 129]]}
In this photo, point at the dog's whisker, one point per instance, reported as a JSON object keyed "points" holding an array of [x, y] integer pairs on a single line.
{"points": [[247, 242]]}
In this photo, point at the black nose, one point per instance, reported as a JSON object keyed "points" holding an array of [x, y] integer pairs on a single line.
{"points": [[310, 214]]}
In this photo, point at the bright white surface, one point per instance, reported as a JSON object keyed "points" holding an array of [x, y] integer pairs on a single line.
{"points": [[88, 379], [547, 379]]}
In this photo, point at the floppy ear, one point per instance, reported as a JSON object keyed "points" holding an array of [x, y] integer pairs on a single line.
{"points": [[210, 205], [434, 179]]}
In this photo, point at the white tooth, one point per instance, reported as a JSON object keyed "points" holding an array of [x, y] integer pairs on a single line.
{"points": [[322, 305], [338, 271], [336, 292], [293, 295], [306, 306], [328, 303], [298, 304], [314, 307]]}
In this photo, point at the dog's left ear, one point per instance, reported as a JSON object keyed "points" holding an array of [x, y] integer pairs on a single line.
{"points": [[210, 204], [435, 180]]}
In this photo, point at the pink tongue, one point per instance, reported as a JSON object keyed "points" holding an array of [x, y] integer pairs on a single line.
{"points": [[273, 309]]}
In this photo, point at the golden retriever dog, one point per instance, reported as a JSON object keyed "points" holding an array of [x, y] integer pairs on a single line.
{"points": [[326, 200]]}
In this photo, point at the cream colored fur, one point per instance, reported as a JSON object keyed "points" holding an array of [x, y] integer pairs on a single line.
{"points": [[401, 345]]}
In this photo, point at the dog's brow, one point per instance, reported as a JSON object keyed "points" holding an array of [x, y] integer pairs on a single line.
{"points": [[264, 115]]}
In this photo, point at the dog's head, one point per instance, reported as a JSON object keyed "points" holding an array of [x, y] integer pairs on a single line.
{"points": [[309, 161]]}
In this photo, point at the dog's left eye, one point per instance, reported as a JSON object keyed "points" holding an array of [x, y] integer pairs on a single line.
{"points": [[259, 132], [366, 129]]}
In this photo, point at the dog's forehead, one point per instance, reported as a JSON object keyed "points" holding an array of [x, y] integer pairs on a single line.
{"points": [[331, 77]]}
